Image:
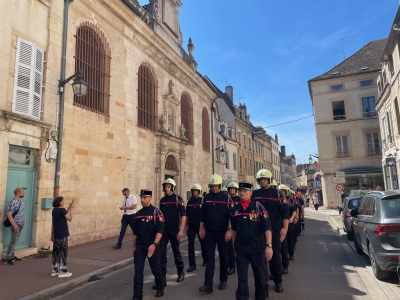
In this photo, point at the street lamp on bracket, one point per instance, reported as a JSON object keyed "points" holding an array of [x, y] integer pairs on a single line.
{"points": [[310, 160]]}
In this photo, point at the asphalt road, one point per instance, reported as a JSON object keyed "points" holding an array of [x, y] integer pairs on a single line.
{"points": [[322, 269]]}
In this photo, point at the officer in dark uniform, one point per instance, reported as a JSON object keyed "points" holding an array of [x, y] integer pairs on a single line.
{"points": [[147, 232], [216, 231], [279, 215], [193, 214], [232, 190], [301, 211], [252, 238], [284, 191], [172, 206], [292, 219]]}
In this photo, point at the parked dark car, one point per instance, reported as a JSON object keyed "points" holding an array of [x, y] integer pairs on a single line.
{"points": [[349, 204], [376, 230]]}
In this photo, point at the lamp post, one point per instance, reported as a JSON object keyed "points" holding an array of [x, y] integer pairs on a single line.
{"points": [[310, 160], [79, 87]]}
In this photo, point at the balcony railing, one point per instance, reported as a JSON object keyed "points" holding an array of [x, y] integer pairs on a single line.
{"points": [[374, 152], [342, 154], [339, 117], [370, 114]]}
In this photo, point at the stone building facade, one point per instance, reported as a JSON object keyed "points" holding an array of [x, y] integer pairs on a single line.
{"points": [[347, 124], [126, 132], [262, 148], [276, 162], [387, 107]]}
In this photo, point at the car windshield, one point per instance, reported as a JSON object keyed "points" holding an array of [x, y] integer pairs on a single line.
{"points": [[391, 208], [354, 203]]}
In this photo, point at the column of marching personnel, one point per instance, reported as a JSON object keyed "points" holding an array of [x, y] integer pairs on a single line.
{"points": [[248, 226]]}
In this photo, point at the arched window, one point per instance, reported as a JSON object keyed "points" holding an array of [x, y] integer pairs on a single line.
{"points": [[205, 122], [93, 56], [170, 163], [187, 117], [147, 98]]}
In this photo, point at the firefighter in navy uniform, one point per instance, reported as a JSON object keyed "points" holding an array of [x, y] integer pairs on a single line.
{"points": [[292, 219], [193, 214], [284, 190], [301, 210], [216, 231], [173, 209], [232, 190], [279, 216], [147, 232], [252, 238]]}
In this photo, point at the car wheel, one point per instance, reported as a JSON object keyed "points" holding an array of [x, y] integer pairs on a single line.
{"points": [[350, 235], [378, 272], [359, 250]]}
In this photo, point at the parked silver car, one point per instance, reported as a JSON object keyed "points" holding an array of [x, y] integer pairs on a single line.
{"points": [[376, 230], [348, 205]]}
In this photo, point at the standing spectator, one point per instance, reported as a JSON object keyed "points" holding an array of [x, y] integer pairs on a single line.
{"points": [[16, 206], [315, 201], [60, 236], [129, 204], [379, 188]]}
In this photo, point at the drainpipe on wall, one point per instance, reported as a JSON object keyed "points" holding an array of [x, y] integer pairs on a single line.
{"points": [[61, 100], [212, 132]]}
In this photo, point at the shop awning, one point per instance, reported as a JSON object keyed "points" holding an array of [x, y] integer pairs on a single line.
{"points": [[362, 170]]}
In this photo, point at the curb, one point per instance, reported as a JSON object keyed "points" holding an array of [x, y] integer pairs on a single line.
{"points": [[64, 287]]}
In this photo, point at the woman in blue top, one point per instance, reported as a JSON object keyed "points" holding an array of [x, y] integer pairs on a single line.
{"points": [[60, 236]]}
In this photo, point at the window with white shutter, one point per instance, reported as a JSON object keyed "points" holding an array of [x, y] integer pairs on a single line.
{"points": [[28, 78]]}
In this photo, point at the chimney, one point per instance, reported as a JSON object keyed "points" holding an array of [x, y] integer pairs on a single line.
{"points": [[283, 151], [229, 92], [276, 138]]}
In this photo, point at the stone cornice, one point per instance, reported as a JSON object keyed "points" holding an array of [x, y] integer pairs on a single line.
{"points": [[372, 74], [9, 115]]}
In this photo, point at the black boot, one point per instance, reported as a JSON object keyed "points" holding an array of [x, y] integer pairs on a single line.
{"points": [[278, 287], [204, 263], [181, 276], [191, 269], [271, 277], [231, 271], [291, 257], [222, 285], [206, 289], [160, 293], [165, 283], [137, 298], [267, 294], [285, 271]]}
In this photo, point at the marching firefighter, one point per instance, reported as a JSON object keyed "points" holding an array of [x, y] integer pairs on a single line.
{"points": [[301, 210], [172, 206], [147, 232], [216, 231], [287, 250], [193, 214], [279, 215], [232, 190], [224, 190], [252, 238]]}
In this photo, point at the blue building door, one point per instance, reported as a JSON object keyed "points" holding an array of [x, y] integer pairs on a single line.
{"points": [[20, 174]]}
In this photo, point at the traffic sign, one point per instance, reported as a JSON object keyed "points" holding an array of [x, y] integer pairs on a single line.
{"points": [[338, 177], [340, 187], [339, 192], [317, 178]]}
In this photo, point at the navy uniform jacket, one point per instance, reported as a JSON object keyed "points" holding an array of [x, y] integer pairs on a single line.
{"points": [[148, 222], [193, 210], [215, 212], [250, 226], [173, 208], [271, 199]]}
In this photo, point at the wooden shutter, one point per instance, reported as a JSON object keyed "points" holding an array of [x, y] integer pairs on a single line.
{"points": [[28, 78]]}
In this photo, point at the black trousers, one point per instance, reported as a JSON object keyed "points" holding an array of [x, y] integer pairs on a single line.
{"points": [[211, 240], [231, 255], [275, 264], [242, 263], [290, 239], [139, 259], [191, 233], [170, 236], [125, 221], [285, 254]]}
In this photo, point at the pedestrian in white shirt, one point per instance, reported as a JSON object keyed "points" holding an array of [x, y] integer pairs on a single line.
{"points": [[129, 204], [316, 201]]}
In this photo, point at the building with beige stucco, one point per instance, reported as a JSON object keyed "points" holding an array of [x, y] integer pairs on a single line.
{"points": [[262, 149], [276, 162], [347, 124], [146, 115]]}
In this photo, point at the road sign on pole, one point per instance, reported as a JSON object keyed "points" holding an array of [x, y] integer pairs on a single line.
{"points": [[340, 187], [338, 177]]}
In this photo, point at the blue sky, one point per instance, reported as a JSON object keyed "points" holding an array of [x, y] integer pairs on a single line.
{"points": [[268, 50]]}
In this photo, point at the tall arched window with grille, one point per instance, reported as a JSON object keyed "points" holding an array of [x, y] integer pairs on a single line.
{"points": [[205, 121], [187, 117], [93, 56], [147, 98]]}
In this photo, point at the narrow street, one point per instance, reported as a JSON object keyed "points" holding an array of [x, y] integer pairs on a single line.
{"points": [[324, 266]]}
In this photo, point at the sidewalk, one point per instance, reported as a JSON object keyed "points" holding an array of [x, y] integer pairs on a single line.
{"points": [[32, 274]]}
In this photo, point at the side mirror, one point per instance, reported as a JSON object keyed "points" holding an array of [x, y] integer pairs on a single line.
{"points": [[354, 213]]}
